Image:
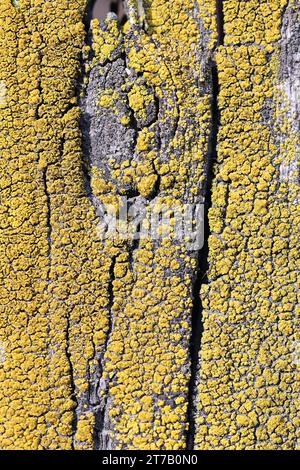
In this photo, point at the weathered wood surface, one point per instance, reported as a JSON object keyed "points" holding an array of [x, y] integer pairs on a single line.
{"points": [[138, 342]]}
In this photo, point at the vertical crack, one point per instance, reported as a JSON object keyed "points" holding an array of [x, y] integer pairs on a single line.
{"points": [[67, 338], [203, 263], [85, 118], [220, 22], [88, 15], [72, 381], [48, 216], [101, 413], [100, 8]]}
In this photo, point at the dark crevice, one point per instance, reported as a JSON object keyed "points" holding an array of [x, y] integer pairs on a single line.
{"points": [[156, 189], [85, 119], [100, 8], [203, 255], [114, 7], [203, 265], [130, 192], [101, 411], [72, 382], [48, 216], [133, 246], [136, 240], [220, 22], [89, 13], [40, 93], [156, 114], [134, 126], [68, 351]]}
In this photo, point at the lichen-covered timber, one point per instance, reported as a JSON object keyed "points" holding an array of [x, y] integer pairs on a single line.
{"points": [[99, 336], [248, 391]]}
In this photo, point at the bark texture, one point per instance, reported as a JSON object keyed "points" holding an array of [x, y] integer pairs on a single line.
{"points": [[136, 341]]}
